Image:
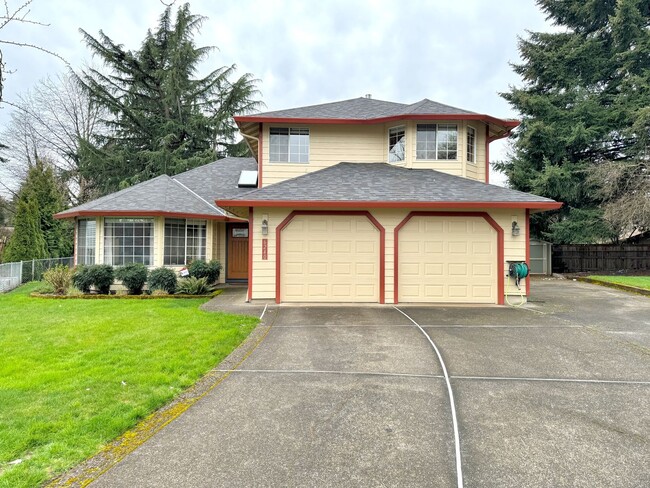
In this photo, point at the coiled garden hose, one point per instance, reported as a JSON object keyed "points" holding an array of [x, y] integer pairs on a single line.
{"points": [[517, 271]]}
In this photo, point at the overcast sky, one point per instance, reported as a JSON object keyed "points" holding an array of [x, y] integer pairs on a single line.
{"points": [[306, 51]]}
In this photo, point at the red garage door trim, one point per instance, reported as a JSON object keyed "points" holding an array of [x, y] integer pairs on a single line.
{"points": [[484, 215], [368, 215]]}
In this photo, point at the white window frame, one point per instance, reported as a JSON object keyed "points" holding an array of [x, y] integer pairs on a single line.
{"points": [[437, 141], [86, 252], [471, 147], [109, 247], [295, 156], [187, 257], [402, 141]]}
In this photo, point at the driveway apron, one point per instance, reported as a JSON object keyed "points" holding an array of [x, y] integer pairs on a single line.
{"points": [[332, 396]]}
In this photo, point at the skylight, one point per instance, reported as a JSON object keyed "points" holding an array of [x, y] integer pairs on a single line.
{"points": [[247, 179]]}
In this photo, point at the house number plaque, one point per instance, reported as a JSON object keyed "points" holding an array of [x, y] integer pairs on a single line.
{"points": [[265, 249]]}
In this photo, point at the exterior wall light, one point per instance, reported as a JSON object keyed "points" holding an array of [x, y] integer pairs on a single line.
{"points": [[265, 225], [515, 228]]}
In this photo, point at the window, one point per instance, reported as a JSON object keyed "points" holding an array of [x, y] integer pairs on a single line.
{"points": [[436, 141], [86, 241], [471, 145], [396, 144], [184, 241], [128, 241], [289, 145]]}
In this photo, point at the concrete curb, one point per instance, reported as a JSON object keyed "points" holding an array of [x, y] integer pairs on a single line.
{"points": [[88, 471], [616, 286]]}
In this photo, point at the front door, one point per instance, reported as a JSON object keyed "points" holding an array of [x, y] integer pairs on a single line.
{"points": [[237, 259]]}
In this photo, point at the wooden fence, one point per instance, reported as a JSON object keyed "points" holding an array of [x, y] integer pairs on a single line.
{"points": [[588, 258]]}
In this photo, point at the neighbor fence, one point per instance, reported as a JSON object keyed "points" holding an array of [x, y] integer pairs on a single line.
{"points": [[15, 274], [601, 258]]}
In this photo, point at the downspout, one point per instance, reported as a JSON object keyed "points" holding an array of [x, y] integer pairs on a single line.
{"points": [[488, 140]]}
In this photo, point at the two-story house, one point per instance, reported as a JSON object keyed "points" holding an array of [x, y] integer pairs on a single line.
{"points": [[354, 201]]}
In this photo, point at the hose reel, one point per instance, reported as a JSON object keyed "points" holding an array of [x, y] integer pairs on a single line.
{"points": [[518, 270]]}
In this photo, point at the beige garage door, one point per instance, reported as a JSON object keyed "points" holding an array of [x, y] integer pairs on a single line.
{"points": [[329, 259], [447, 259]]}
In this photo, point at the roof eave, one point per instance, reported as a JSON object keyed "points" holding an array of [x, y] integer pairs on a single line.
{"points": [[506, 123], [136, 213], [540, 206]]}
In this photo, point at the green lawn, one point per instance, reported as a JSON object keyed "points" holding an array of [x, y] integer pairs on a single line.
{"points": [[637, 281], [75, 374]]}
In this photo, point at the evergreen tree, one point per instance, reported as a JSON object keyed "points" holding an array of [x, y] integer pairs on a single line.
{"points": [[584, 107], [27, 241], [163, 120], [37, 234]]}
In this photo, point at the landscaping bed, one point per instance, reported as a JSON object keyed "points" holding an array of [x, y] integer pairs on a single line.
{"points": [[77, 373], [119, 296]]}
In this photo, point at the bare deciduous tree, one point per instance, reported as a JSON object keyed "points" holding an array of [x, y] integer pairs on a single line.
{"points": [[51, 121]]}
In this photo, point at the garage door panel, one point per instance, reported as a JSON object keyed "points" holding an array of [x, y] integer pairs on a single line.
{"points": [[447, 259], [337, 261]]}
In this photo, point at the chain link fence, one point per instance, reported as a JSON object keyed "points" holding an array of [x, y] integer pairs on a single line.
{"points": [[15, 274]]}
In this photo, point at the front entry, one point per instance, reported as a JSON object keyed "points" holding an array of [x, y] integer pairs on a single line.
{"points": [[237, 252]]}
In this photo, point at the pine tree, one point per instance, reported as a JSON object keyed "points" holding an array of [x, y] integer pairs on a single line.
{"points": [[163, 120], [27, 241], [37, 234], [584, 107]]}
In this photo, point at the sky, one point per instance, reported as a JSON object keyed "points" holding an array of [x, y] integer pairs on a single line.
{"points": [[305, 52]]}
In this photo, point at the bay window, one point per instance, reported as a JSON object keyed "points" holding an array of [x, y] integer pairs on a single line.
{"points": [[86, 229], [185, 241], [436, 142], [396, 144], [128, 241]]}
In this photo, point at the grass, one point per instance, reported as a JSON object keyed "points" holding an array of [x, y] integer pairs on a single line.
{"points": [[636, 281], [75, 374]]}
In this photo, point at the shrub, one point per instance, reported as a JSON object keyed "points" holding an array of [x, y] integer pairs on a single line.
{"points": [[210, 270], [59, 277], [73, 291], [133, 276], [82, 279], [163, 279], [159, 293], [193, 286], [101, 276]]}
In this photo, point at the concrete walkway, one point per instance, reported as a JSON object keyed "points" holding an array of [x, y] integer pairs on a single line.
{"points": [[554, 395]]}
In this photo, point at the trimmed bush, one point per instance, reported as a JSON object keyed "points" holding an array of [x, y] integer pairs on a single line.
{"points": [[210, 270], [133, 276], [163, 279], [193, 286], [44, 289], [59, 278], [82, 279], [101, 276]]}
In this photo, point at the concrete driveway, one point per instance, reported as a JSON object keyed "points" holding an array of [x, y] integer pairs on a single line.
{"points": [[557, 394]]}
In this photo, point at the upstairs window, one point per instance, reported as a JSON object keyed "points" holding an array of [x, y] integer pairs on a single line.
{"points": [[86, 241], [471, 145], [128, 241], [436, 142], [289, 145], [184, 241], [396, 144]]}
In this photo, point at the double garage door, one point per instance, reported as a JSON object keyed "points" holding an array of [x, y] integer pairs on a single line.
{"points": [[336, 258]]}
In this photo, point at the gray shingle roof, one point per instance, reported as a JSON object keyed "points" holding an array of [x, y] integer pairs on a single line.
{"points": [[364, 109], [190, 193], [382, 182]]}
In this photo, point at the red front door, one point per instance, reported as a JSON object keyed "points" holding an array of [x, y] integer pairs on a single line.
{"points": [[237, 259]]}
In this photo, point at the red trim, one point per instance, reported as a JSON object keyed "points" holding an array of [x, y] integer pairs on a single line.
{"points": [[487, 154], [74, 246], [484, 215], [310, 120], [528, 251], [367, 204], [368, 215], [250, 254], [135, 213], [260, 155]]}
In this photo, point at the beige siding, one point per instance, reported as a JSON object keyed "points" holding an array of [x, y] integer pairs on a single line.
{"points": [[264, 270], [332, 144]]}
